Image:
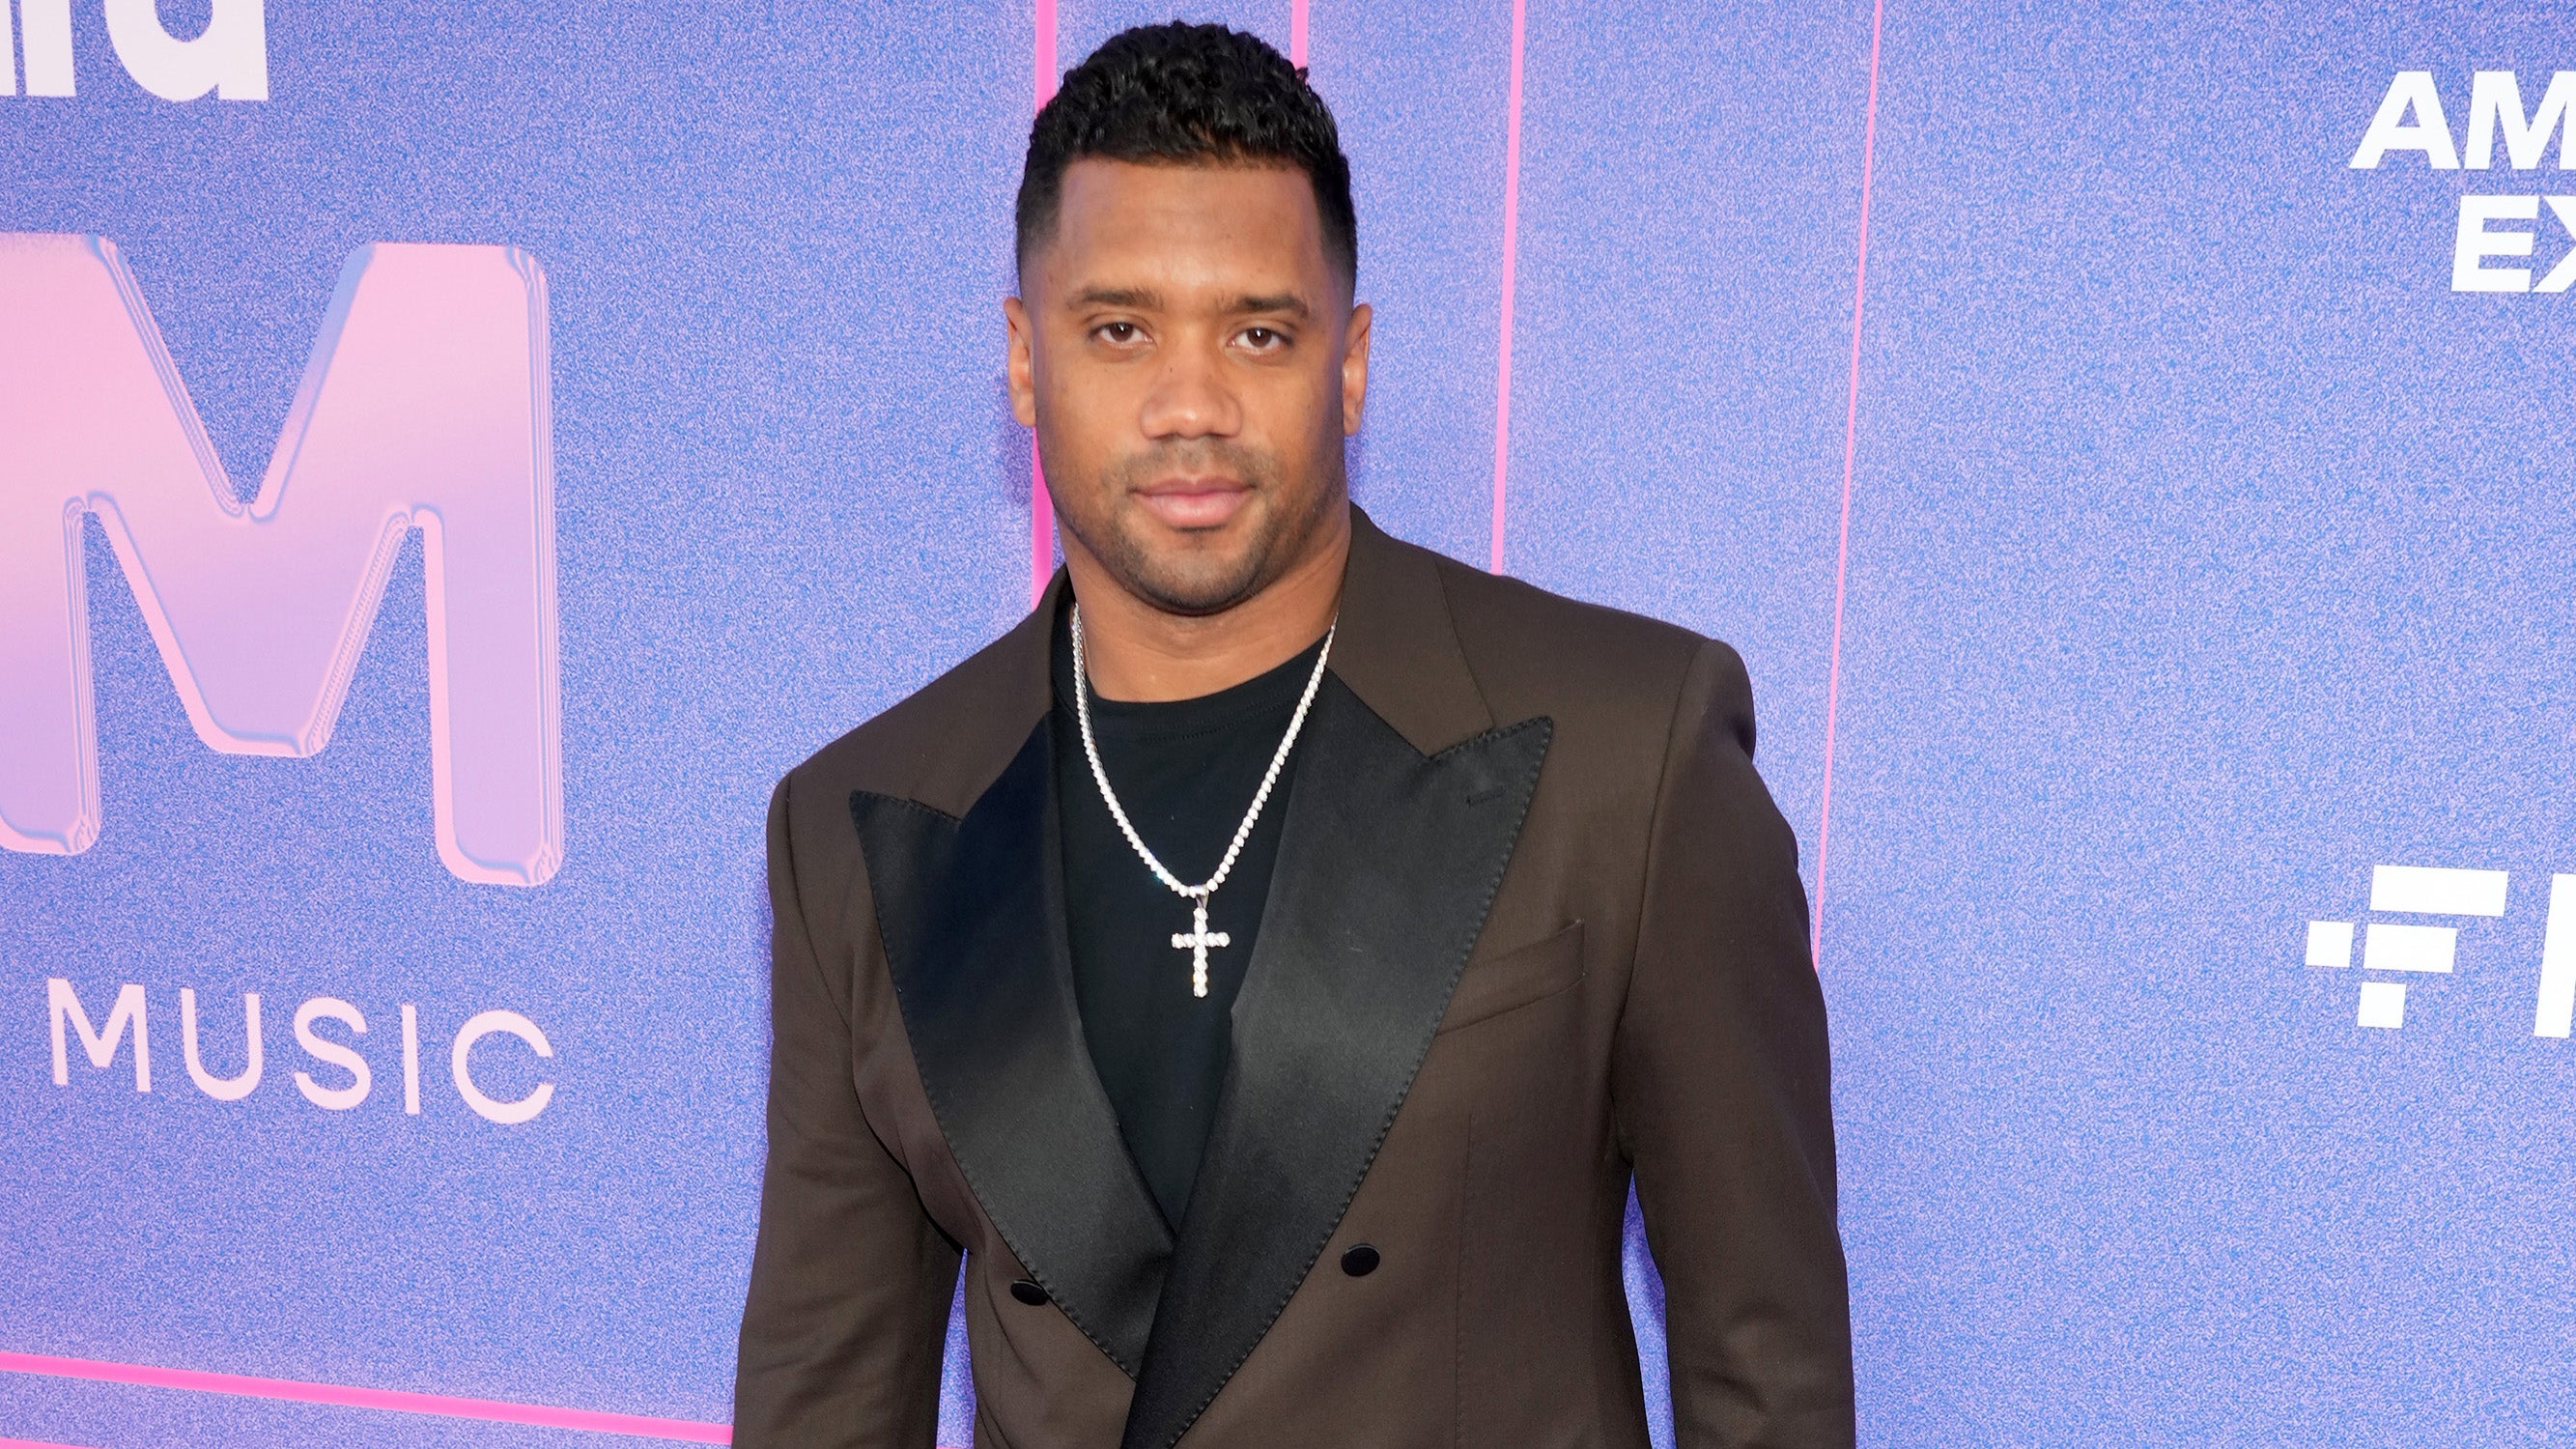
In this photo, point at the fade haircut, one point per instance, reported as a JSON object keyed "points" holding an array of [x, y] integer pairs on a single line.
{"points": [[1189, 95]]}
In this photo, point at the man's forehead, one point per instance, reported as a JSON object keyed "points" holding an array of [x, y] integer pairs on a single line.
{"points": [[1204, 175], [1124, 215]]}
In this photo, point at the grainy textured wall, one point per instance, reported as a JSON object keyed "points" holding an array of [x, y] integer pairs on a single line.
{"points": [[2166, 545]]}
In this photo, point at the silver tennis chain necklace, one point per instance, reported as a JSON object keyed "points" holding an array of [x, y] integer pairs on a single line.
{"points": [[1198, 938]]}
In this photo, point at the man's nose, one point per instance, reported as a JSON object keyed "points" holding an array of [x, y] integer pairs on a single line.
{"points": [[1190, 397]]}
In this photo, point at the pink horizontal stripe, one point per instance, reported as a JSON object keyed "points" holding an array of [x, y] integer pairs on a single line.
{"points": [[400, 1401], [35, 1444]]}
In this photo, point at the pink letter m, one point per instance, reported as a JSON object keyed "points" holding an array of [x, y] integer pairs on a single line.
{"points": [[424, 405]]}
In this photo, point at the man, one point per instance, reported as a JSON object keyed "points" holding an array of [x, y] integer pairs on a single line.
{"points": [[1270, 960]]}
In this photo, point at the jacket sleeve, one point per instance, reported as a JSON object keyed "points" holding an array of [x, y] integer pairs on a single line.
{"points": [[850, 1281], [1723, 1091]]}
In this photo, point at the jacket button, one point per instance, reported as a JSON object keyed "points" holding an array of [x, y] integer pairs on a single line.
{"points": [[1360, 1262], [1030, 1293]]}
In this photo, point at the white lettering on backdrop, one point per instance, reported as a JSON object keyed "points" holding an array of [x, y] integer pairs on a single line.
{"points": [[346, 1084]]}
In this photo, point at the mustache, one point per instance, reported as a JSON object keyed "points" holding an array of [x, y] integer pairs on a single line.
{"points": [[1196, 456]]}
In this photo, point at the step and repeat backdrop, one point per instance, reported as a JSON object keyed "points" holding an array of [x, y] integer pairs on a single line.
{"points": [[454, 459]]}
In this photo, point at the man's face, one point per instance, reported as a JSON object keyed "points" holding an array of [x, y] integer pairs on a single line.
{"points": [[1191, 363]]}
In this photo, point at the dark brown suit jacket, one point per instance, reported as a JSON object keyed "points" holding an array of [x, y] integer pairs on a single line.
{"points": [[1535, 924]]}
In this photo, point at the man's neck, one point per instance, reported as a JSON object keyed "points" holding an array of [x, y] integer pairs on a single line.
{"points": [[1137, 652]]}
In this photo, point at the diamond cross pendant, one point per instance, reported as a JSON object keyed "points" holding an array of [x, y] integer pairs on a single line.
{"points": [[1196, 941]]}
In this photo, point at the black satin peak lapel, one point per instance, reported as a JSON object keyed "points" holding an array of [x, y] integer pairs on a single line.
{"points": [[972, 914], [1388, 864]]}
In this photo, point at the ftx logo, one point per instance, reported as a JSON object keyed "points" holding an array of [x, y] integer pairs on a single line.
{"points": [[2390, 950], [229, 57], [424, 406]]}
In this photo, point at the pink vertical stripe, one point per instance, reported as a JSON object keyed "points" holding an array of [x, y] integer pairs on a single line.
{"points": [[1297, 32], [1041, 529], [1511, 257], [1851, 436], [1041, 504], [399, 1401]]}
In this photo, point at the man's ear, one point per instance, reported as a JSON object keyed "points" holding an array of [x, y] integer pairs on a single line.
{"points": [[1355, 347], [1021, 369]]}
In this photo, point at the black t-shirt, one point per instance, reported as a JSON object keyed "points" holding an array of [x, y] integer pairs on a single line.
{"points": [[1186, 771]]}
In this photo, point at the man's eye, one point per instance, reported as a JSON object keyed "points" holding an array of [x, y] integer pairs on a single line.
{"points": [[1261, 338], [1118, 331]]}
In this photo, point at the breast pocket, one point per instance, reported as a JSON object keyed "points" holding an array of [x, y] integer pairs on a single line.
{"points": [[1518, 977]]}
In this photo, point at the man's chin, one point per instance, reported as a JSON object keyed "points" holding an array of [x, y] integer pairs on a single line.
{"points": [[1192, 571], [1198, 572], [1193, 587]]}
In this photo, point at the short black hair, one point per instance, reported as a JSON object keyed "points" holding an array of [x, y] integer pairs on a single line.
{"points": [[1179, 94]]}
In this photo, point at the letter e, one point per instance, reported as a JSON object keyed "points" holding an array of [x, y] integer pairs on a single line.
{"points": [[2474, 244]]}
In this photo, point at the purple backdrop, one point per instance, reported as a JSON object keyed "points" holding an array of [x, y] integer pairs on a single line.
{"points": [[2175, 538]]}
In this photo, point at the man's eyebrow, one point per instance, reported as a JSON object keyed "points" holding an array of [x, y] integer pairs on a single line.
{"points": [[1288, 303], [1140, 298], [1145, 299]]}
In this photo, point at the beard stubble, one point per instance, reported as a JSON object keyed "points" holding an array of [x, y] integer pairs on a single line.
{"points": [[1283, 521]]}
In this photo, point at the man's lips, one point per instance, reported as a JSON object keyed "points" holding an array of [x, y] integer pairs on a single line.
{"points": [[1194, 502]]}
